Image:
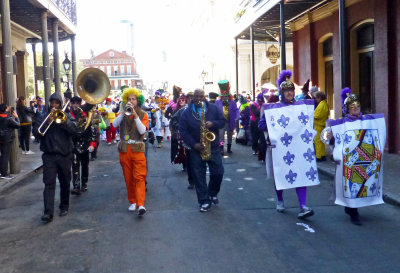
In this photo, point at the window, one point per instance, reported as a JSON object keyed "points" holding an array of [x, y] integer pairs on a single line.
{"points": [[108, 70], [129, 70], [111, 54], [325, 67], [102, 68], [115, 70], [122, 67]]}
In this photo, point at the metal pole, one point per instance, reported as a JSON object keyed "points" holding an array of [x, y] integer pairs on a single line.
{"points": [[36, 91], [283, 35], [45, 55], [343, 42], [73, 56], [8, 76], [56, 56], [253, 77], [237, 67]]}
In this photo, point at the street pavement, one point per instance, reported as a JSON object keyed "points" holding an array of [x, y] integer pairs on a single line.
{"points": [[244, 233]]}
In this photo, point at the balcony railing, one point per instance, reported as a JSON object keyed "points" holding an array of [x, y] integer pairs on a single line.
{"points": [[68, 7]]}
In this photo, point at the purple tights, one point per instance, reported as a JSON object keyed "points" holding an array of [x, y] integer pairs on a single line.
{"points": [[301, 194]]}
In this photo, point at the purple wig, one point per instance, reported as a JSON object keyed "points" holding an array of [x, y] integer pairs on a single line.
{"points": [[285, 75]]}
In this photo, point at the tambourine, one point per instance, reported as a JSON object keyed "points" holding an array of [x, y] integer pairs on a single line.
{"points": [[324, 135]]}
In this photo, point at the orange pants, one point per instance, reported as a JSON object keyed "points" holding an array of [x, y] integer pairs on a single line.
{"points": [[134, 168]]}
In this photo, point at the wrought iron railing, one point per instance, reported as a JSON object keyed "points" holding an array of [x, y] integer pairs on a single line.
{"points": [[68, 7]]}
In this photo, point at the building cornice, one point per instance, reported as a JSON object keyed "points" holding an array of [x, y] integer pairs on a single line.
{"points": [[319, 14]]}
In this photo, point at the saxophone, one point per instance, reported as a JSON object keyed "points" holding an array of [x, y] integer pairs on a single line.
{"points": [[206, 136]]}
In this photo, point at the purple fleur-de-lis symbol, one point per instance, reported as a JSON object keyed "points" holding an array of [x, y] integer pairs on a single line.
{"points": [[283, 121], [338, 138], [288, 158], [309, 155], [272, 118], [291, 177], [286, 139], [347, 139], [307, 136], [373, 188], [312, 174], [303, 118]]}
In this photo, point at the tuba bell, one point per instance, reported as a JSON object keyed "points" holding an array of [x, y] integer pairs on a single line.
{"points": [[93, 87]]}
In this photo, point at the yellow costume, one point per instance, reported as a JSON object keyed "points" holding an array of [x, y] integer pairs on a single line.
{"points": [[321, 114]]}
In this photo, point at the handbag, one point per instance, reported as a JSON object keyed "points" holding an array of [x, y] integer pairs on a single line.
{"points": [[241, 135], [102, 124]]}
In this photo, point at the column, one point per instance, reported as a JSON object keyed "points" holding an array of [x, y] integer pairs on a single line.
{"points": [[343, 42], [237, 67], [56, 57], [45, 55], [253, 78], [36, 87], [73, 56], [283, 35]]}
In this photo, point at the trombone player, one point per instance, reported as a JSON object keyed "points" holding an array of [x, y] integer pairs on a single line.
{"points": [[56, 145]]}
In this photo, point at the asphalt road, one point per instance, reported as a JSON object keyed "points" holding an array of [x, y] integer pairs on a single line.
{"points": [[244, 233]]}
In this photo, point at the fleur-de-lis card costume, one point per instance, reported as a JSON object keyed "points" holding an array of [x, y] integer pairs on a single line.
{"points": [[291, 132], [359, 146]]}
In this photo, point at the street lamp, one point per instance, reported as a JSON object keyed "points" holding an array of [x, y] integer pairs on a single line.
{"points": [[67, 67], [203, 75]]}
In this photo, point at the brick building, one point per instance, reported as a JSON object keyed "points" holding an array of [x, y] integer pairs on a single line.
{"points": [[120, 68]]}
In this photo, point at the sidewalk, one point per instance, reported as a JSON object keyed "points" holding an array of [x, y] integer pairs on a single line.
{"points": [[29, 164], [391, 175]]}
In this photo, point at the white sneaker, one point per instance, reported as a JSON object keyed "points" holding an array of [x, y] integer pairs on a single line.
{"points": [[280, 207], [109, 143], [132, 207], [29, 153], [23, 152], [141, 210], [114, 141]]}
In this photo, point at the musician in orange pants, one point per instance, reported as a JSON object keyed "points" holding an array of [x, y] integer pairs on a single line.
{"points": [[133, 123]]}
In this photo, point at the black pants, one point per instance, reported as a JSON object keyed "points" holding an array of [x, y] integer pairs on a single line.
{"points": [[5, 150], [56, 165], [255, 135], [199, 168], [80, 161], [189, 168], [24, 136]]}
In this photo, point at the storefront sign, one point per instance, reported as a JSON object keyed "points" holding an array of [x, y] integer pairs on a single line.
{"points": [[273, 54]]}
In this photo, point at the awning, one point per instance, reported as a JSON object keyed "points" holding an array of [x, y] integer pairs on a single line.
{"points": [[264, 15]]}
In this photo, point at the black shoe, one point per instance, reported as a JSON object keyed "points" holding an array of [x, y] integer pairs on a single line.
{"points": [[84, 187], [46, 218], [141, 211], [76, 191], [229, 150], [222, 149], [190, 187], [355, 219], [63, 212], [215, 200]]}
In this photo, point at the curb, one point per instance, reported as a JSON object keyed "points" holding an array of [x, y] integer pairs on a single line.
{"points": [[16, 182], [387, 197]]}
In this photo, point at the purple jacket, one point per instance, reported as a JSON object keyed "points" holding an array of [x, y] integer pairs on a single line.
{"points": [[233, 112]]}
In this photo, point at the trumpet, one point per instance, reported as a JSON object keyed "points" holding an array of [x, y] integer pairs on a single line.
{"points": [[58, 116], [128, 110]]}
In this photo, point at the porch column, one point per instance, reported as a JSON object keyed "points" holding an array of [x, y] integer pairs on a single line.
{"points": [[253, 78], [343, 42], [36, 88], [73, 56], [56, 59], [283, 35], [45, 56], [9, 77], [237, 67]]}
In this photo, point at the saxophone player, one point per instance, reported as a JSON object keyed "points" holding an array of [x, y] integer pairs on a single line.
{"points": [[192, 131]]}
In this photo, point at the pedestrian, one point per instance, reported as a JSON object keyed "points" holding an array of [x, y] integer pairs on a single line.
{"points": [[290, 131], [304, 92], [56, 145], [359, 146], [321, 114], [189, 128], [256, 134], [178, 155], [8, 123], [25, 115], [228, 107], [109, 116], [133, 123], [84, 144]]}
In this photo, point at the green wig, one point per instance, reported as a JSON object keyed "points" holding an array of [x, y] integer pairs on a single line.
{"points": [[135, 92]]}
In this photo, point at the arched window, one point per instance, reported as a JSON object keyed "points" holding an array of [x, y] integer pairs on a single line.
{"points": [[362, 55]]}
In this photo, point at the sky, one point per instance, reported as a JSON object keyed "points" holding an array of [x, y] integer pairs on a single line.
{"points": [[173, 39]]}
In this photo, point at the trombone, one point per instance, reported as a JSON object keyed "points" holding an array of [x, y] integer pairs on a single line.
{"points": [[58, 116]]}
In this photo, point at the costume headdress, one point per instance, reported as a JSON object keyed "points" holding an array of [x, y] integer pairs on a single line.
{"points": [[224, 87], [176, 91], [283, 81], [135, 92], [348, 100], [305, 87]]}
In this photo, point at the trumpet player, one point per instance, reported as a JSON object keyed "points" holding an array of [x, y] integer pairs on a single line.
{"points": [[84, 144], [56, 145], [189, 128], [133, 123]]}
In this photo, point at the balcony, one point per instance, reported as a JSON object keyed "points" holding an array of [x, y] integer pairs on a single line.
{"points": [[68, 7]]}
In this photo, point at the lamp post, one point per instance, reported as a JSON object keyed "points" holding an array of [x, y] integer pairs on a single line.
{"points": [[67, 67], [203, 75]]}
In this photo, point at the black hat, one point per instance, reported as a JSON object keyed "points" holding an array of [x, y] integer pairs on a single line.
{"points": [[76, 99], [212, 96]]}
